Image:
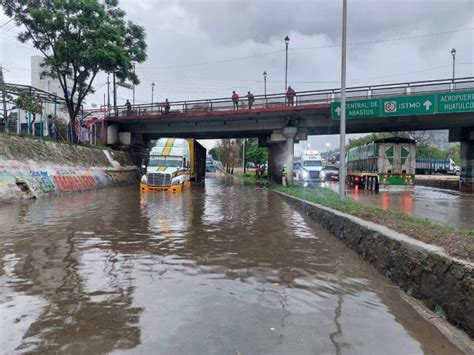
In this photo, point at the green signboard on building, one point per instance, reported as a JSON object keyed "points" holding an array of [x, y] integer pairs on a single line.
{"points": [[411, 105]]}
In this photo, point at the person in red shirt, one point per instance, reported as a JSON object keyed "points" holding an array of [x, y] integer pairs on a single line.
{"points": [[167, 106], [235, 100], [290, 95]]}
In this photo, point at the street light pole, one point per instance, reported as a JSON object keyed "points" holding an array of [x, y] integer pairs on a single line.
{"points": [[327, 152], [152, 93], [342, 127], [453, 53], [287, 41], [265, 88]]}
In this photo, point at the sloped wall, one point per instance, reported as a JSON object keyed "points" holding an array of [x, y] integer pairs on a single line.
{"points": [[30, 168]]}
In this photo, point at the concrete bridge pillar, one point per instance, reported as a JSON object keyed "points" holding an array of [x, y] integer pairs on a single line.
{"points": [[466, 137], [281, 151], [466, 180], [276, 159]]}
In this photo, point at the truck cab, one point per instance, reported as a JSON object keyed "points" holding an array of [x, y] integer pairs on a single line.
{"points": [[311, 168], [168, 166]]}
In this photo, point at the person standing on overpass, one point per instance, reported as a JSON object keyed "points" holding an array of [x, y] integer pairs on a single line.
{"points": [[167, 106], [250, 99], [128, 105], [235, 100], [290, 95]]}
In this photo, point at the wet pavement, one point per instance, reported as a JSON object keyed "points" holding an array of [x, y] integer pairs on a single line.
{"points": [[441, 206], [220, 269]]}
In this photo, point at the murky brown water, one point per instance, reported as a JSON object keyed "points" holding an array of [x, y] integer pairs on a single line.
{"points": [[221, 269]]}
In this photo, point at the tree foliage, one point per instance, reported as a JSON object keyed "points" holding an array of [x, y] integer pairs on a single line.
{"points": [[254, 153], [31, 104], [79, 38]]}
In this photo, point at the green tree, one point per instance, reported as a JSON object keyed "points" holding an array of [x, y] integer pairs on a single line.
{"points": [[30, 104], [79, 38], [254, 153], [217, 152]]}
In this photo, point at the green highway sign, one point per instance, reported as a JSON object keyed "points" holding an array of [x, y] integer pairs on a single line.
{"points": [[357, 109], [455, 102], [410, 105]]}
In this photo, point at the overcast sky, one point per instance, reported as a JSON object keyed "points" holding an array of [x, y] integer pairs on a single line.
{"points": [[204, 49]]}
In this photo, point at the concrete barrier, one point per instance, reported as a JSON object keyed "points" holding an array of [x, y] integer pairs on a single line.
{"points": [[440, 182], [424, 271]]}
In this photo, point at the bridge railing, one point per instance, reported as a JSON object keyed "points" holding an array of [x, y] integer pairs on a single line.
{"points": [[302, 98]]}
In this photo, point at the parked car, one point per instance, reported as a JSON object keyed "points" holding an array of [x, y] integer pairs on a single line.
{"points": [[331, 173], [251, 165]]}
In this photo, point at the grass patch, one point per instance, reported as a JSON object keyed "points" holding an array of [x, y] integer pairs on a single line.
{"points": [[457, 242]]}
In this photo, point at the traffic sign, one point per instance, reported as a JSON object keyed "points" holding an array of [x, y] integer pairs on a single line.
{"points": [[456, 102], [411, 105], [408, 105], [357, 109]]}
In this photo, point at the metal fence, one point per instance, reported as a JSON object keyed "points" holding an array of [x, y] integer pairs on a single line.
{"points": [[302, 98]]}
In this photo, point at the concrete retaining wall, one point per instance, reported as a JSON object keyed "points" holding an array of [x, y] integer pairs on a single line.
{"points": [[442, 182], [30, 168], [424, 271]]}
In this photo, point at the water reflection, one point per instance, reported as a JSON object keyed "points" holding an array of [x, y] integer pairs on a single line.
{"points": [[447, 207], [218, 269]]}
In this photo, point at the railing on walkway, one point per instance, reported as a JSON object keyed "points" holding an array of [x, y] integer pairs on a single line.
{"points": [[302, 98]]}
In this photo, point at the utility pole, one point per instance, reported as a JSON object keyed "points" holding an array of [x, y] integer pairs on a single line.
{"points": [[115, 95], [4, 100], [133, 98], [342, 127], [287, 41], [108, 94], [453, 53], [265, 87], [243, 156]]}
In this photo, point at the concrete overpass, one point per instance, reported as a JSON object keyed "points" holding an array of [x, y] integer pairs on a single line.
{"points": [[428, 105]]}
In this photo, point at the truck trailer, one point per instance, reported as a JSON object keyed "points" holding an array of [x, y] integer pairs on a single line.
{"points": [[434, 165], [173, 163], [383, 162]]}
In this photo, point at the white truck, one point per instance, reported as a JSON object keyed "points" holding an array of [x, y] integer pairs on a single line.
{"points": [[172, 164], [311, 167]]}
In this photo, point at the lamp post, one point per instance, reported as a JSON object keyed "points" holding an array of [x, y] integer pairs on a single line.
{"points": [[453, 53], [342, 127], [287, 42], [327, 151], [265, 88], [152, 93]]}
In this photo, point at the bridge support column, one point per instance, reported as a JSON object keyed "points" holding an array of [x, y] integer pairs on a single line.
{"points": [[465, 135], [466, 180], [281, 152], [276, 160]]}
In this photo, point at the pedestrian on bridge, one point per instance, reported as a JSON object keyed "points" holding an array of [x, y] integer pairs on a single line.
{"points": [[128, 105], [250, 99], [167, 106], [290, 95], [235, 100]]}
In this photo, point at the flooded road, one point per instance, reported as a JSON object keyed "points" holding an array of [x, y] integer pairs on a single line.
{"points": [[219, 269], [441, 206]]}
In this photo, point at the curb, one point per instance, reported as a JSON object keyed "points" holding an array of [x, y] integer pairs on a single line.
{"points": [[442, 283]]}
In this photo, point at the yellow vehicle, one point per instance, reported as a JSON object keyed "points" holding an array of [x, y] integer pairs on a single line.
{"points": [[173, 163]]}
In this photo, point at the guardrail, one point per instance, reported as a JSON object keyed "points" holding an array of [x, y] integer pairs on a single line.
{"points": [[302, 98]]}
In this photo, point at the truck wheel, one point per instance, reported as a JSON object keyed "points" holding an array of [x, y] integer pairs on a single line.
{"points": [[458, 173]]}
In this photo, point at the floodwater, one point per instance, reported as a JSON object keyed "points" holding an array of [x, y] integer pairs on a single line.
{"points": [[218, 269], [441, 206]]}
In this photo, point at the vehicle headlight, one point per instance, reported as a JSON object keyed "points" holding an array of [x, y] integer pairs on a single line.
{"points": [[143, 179], [323, 174], [305, 173]]}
